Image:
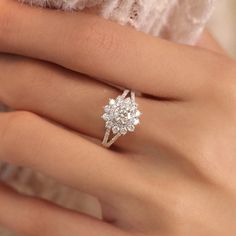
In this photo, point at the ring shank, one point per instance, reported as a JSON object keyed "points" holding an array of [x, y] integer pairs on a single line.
{"points": [[105, 142]]}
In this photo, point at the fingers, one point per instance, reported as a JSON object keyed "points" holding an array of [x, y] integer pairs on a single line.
{"points": [[28, 216], [69, 98], [73, 100], [28, 140], [104, 50], [61, 95]]}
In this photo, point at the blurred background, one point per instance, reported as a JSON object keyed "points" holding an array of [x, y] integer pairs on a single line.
{"points": [[223, 24]]}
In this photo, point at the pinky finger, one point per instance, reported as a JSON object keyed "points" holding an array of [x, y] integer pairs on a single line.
{"points": [[33, 217]]}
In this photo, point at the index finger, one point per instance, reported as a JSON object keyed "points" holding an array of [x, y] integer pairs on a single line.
{"points": [[105, 50]]}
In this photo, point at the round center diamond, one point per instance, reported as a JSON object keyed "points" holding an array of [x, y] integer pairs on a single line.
{"points": [[121, 115]]}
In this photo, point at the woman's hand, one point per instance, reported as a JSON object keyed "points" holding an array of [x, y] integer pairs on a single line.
{"points": [[174, 176]]}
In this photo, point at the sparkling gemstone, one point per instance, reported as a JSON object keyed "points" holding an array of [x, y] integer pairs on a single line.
{"points": [[109, 124], [107, 109], [136, 121], [115, 129], [138, 113], [119, 100], [112, 102], [123, 131], [127, 100], [105, 117], [121, 115], [129, 116], [131, 128], [133, 108]]}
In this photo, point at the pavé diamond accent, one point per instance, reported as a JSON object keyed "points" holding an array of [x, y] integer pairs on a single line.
{"points": [[121, 115]]}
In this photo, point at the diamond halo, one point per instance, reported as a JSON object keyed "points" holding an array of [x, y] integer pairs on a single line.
{"points": [[121, 116]]}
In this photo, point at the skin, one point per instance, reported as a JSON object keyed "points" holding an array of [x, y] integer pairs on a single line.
{"points": [[175, 176]]}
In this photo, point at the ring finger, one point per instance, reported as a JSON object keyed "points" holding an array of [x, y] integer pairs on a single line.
{"points": [[67, 97]]}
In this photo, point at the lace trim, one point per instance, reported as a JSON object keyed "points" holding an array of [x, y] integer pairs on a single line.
{"points": [[179, 20]]}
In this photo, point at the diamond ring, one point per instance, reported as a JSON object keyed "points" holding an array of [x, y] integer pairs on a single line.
{"points": [[121, 115]]}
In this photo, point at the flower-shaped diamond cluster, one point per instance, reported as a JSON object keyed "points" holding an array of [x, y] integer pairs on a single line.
{"points": [[121, 115]]}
